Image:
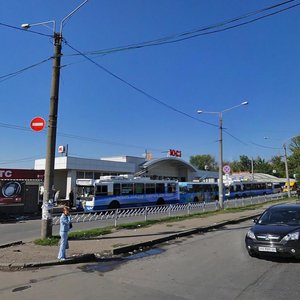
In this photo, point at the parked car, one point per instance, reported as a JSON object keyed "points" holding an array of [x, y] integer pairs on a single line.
{"points": [[276, 232]]}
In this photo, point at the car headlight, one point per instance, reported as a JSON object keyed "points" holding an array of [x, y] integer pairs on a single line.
{"points": [[251, 235], [291, 236]]}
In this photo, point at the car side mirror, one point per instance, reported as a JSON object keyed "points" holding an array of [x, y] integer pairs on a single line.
{"points": [[255, 220]]}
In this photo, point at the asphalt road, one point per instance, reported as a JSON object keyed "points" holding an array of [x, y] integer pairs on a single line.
{"points": [[29, 230], [214, 265]]}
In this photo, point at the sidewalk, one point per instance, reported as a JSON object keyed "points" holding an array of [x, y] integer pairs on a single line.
{"points": [[25, 255]]}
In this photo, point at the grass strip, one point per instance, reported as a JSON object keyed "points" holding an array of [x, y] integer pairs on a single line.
{"points": [[96, 232]]}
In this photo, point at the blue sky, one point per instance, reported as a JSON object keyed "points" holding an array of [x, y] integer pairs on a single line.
{"points": [[258, 62]]}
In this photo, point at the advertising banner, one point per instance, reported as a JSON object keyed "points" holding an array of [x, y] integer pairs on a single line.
{"points": [[11, 192]]}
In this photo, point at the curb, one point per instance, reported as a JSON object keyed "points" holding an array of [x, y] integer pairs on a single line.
{"points": [[11, 244], [91, 257], [131, 248]]}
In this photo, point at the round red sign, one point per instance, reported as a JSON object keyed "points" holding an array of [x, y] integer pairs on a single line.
{"points": [[37, 124]]}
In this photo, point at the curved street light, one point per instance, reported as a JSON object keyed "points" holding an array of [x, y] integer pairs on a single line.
{"points": [[220, 113]]}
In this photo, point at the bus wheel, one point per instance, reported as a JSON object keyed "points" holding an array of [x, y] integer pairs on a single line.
{"points": [[196, 199], [114, 205], [160, 201]]}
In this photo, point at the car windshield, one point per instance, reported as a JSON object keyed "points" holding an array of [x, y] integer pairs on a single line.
{"points": [[289, 217]]}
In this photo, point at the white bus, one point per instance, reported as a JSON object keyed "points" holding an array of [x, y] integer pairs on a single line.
{"points": [[112, 192]]}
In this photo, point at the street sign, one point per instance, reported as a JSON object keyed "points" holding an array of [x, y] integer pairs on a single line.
{"points": [[226, 169], [37, 124]]}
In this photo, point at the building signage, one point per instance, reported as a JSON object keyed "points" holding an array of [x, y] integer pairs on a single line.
{"points": [[8, 174], [61, 149], [173, 152]]}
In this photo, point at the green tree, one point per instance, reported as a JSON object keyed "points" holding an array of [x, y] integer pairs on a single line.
{"points": [[235, 166], [278, 166], [243, 165], [204, 161], [245, 162], [295, 144], [262, 166], [294, 158]]}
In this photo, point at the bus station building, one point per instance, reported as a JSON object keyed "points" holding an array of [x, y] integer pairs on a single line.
{"points": [[67, 169]]}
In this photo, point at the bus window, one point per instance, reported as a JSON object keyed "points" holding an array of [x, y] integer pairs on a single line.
{"points": [[139, 188], [160, 188], [171, 187], [150, 188], [101, 190], [196, 188], [127, 188], [117, 189], [183, 189]]}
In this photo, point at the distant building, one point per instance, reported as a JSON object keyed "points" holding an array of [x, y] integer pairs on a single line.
{"points": [[68, 169]]}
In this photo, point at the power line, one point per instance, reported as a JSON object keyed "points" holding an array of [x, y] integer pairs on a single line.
{"points": [[25, 159], [78, 137], [164, 40], [152, 98], [266, 147], [13, 74], [206, 30], [234, 137]]}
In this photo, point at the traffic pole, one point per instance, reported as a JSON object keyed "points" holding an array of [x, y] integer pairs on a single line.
{"points": [[221, 188]]}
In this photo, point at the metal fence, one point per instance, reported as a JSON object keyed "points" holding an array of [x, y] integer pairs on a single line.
{"points": [[166, 210]]}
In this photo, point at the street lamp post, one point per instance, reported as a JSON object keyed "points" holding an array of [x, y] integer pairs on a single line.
{"points": [[287, 172], [220, 113], [46, 227]]}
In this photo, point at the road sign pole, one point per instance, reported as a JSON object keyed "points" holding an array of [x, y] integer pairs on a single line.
{"points": [[221, 163]]}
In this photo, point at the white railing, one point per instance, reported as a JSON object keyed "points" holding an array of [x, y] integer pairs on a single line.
{"points": [[166, 210]]}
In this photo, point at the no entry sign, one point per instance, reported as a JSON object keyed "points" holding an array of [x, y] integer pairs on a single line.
{"points": [[37, 124], [226, 169]]}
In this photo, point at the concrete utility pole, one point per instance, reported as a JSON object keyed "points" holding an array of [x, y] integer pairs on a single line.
{"points": [[287, 172], [46, 228]]}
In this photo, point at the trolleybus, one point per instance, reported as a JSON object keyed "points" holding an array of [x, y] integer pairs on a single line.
{"points": [[112, 192], [240, 189], [198, 192]]}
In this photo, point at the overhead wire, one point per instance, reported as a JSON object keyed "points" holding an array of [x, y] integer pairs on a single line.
{"points": [[13, 74], [152, 98], [78, 137], [161, 41], [266, 147], [24, 159], [206, 30]]}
